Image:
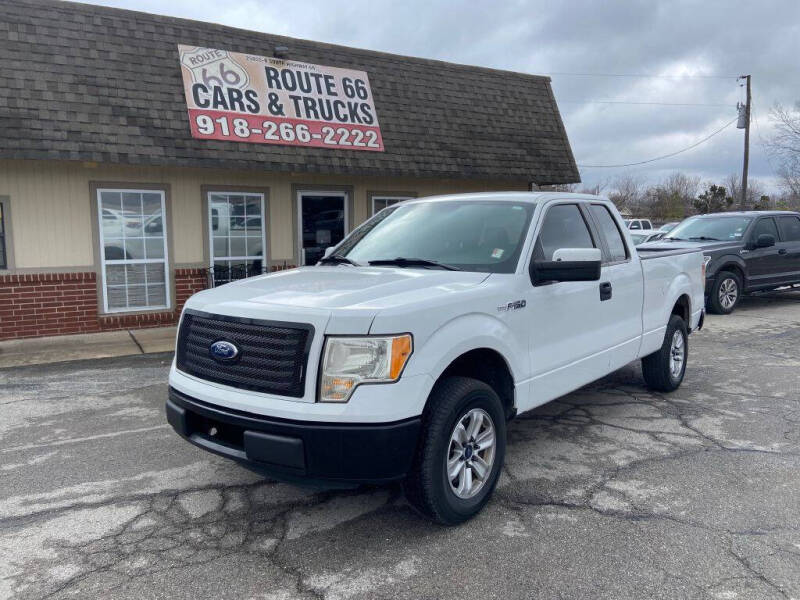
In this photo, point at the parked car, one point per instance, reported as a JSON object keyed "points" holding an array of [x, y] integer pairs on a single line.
{"points": [[667, 227], [745, 252], [403, 354], [640, 237], [641, 224]]}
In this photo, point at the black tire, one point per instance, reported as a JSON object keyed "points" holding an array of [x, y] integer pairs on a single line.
{"points": [[724, 278], [427, 486], [657, 368]]}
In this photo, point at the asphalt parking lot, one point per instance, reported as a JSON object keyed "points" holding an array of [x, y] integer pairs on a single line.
{"points": [[610, 492]]}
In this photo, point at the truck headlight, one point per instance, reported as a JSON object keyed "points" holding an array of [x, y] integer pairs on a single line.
{"points": [[706, 260], [350, 361]]}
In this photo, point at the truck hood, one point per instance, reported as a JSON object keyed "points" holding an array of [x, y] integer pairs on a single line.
{"points": [[336, 287]]}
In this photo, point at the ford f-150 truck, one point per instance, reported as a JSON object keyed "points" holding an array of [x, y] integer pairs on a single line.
{"points": [[403, 354], [752, 251]]}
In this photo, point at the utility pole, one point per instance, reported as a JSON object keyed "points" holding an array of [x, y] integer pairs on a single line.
{"points": [[746, 162]]}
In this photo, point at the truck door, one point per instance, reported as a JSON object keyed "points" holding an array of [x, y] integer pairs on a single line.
{"points": [[566, 344], [619, 316], [789, 247], [764, 265]]}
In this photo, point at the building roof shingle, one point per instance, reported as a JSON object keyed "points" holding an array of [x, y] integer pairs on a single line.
{"points": [[90, 83]]}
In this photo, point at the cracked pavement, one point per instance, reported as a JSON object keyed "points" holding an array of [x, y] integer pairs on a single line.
{"points": [[610, 492]]}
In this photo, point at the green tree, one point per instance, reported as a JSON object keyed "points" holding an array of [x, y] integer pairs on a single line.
{"points": [[715, 199]]}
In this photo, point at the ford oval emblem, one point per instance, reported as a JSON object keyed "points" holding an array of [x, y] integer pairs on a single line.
{"points": [[223, 351]]}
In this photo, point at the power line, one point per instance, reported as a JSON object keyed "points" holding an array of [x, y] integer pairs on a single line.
{"points": [[562, 73], [643, 103], [643, 162]]}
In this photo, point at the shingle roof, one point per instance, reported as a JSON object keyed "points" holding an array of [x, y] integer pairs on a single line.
{"points": [[89, 83]]}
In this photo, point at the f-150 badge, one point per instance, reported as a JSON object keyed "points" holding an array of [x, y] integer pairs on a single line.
{"points": [[511, 306]]}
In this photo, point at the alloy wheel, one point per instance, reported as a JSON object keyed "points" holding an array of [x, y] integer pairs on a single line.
{"points": [[471, 453], [728, 293], [677, 354]]}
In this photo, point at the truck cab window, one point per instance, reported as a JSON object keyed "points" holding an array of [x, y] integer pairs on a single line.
{"points": [[790, 229], [765, 226], [563, 227], [610, 231]]}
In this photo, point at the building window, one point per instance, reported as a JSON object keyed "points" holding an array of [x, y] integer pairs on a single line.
{"points": [[3, 255], [133, 245], [237, 232], [381, 202]]}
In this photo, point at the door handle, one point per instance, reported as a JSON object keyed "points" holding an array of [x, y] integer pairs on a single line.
{"points": [[605, 291], [782, 251]]}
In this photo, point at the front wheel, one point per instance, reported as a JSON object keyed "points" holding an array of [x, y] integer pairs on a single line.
{"points": [[461, 451], [725, 293], [664, 369]]}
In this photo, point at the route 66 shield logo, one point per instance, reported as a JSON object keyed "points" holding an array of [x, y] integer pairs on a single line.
{"points": [[213, 67]]}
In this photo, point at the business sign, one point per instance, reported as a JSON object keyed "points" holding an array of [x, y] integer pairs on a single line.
{"points": [[259, 99]]}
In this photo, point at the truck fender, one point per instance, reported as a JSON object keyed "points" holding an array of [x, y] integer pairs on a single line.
{"points": [[725, 261], [464, 333], [655, 323]]}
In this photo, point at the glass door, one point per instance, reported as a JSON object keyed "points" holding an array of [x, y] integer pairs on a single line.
{"points": [[322, 218]]}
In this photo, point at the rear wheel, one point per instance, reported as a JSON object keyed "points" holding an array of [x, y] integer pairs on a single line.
{"points": [[461, 451], [664, 369], [725, 293]]}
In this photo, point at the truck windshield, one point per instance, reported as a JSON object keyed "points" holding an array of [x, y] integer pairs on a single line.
{"points": [[470, 236], [720, 228]]}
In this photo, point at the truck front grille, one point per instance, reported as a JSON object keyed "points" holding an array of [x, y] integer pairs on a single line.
{"points": [[272, 355]]}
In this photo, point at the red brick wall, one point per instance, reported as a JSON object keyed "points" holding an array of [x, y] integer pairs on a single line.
{"points": [[60, 303]]}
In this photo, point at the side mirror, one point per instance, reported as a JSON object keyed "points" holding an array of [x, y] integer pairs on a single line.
{"points": [[765, 240], [328, 251], [568, 264]]}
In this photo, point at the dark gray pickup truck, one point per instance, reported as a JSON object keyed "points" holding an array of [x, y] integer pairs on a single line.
{"points": [[745, 252]]}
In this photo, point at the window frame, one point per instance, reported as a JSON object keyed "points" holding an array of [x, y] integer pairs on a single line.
{"points": [[605, 249], [6, 264], [209, 224], [103, 262], [396, 198]]}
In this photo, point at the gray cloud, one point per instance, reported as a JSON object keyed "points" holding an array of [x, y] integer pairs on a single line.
{"points": [[683, 37]]}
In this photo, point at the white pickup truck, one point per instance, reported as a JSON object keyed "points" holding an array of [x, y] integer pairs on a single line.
{"points": [[403, 354]]}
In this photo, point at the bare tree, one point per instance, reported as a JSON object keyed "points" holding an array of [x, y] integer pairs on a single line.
{"points": [[756, 195], [680, 190], [784, 145], [627, 193], [559, 187], [596, 189]]}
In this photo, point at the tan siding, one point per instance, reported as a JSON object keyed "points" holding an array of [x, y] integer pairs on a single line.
{"points": [[51, 216]]}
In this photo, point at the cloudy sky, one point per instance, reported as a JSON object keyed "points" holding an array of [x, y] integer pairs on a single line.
{"points": [[690, 50]]}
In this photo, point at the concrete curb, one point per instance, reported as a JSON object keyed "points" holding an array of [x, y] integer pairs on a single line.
{"points": [[44, 350]]}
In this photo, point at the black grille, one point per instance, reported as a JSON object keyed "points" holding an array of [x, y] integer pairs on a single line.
{"points": [[272, 354]]}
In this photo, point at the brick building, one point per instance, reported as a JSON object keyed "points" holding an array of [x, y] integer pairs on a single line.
{"points": [[143, 158]]}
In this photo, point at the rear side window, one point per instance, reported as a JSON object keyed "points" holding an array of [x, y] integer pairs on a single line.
{"points": [[765, 226], [610, 231], [790, 229], [646, 225], [563, 227]]}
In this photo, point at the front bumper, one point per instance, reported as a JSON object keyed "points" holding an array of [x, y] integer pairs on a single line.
{"points": [[297, 450]]}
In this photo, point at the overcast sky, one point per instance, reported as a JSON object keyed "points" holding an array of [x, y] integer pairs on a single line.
{"points": [[692, 38]]}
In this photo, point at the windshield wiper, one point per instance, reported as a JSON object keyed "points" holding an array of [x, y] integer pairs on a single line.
{"points": [[704, 238], [338, 259], [412, 262]]}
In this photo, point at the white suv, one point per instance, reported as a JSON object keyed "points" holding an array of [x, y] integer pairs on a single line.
{"points": [[638, 224]]}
